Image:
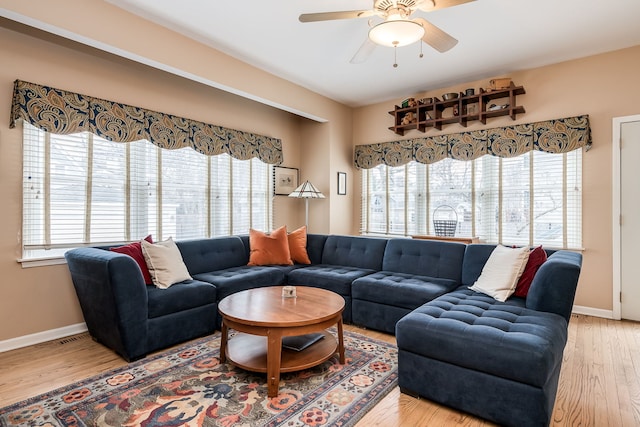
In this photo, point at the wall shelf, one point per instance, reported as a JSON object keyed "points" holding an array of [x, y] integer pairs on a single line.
{"points": [[440, 112]]}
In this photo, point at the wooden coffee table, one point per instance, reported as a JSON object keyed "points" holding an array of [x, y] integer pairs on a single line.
{"points": [[262, 317]]}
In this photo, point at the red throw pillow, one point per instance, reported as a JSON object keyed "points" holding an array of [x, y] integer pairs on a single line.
{"points": [[269, 249], [298, 246], [134, 250], [537, 257]]}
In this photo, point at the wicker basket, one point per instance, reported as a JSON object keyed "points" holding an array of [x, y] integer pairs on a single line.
{"points": [[499, 84], [445, 221]]}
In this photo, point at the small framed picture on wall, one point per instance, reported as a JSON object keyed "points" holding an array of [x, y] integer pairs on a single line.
{"points": [[285, 180], [342, 183]]}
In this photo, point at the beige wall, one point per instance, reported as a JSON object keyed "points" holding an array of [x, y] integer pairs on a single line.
{"points": [[602, 86], [327, 150], [38, 299]]}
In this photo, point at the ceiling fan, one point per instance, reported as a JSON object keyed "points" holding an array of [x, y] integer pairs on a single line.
{"points": [[396, 29]]}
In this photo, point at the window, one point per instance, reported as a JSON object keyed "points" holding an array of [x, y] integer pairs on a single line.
{"points": [[531, 199], [84, 190]]}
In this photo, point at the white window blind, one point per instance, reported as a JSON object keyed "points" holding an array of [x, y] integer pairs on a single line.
{"points": [[531, 199], [83, 190], [449, 195]]}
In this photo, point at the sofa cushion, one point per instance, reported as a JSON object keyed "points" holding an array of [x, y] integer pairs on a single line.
{"points": [[179, 297], [134, 250], [269, 249], [357, 252], [501, 272], [335, 278], [286, 269], [475, 257], [424, 258], [165, 263], [400, 290], [237, 279], [218, 253], [537, 257], [475, 331], [315, 247], [298, 246]]}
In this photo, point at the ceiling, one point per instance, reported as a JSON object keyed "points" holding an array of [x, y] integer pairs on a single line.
{"points": [[496, 37]]}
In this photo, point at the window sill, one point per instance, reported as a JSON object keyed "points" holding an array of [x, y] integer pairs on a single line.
{"points": [[41, 262]]}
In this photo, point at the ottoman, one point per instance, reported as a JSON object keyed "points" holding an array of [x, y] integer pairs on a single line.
{"points": [[499, 361]]}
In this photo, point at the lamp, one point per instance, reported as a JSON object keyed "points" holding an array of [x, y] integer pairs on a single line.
{"points": [[307, 191], [396, 31]]}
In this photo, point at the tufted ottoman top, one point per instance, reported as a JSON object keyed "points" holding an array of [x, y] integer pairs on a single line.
{"points": [[400, 290], [335, 278], [472, 330]]}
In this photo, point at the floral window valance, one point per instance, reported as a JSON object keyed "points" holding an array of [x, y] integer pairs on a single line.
{"points": [[551, 136], [62, 112]]}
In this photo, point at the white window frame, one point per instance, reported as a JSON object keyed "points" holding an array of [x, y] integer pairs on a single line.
{"points": [[488, 186], [250, 197]]}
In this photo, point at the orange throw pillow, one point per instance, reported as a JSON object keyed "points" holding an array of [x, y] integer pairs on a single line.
{"points": [[298, 246], [269, 249]]}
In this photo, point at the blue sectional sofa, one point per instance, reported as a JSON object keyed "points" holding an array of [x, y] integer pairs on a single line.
{"points": [[498, 360], [413, 272], [344, 259]]}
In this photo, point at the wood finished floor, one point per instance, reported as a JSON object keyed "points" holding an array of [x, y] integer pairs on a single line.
{"points": [[599, 382]]}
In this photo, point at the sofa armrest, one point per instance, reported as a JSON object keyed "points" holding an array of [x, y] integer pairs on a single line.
{"points": [[554, 286], [113, 298]]}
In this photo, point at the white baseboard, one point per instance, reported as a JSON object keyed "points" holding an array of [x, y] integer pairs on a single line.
{"points": [[40, 337], [595, 312]]}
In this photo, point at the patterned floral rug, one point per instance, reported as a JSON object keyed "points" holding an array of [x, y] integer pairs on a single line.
{"points": [[187, 386]]}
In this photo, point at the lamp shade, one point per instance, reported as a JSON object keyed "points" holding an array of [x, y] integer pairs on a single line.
{"points": [[307, 191], [396, 32]]}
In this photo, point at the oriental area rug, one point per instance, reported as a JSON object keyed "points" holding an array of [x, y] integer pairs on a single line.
{"points": [[187, 386]]}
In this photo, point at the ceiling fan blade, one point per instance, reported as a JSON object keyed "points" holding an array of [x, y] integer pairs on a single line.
{"points": [[364, 52], [435, 37], [430, 6], [329, 16]]}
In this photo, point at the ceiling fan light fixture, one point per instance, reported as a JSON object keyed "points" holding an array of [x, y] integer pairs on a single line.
{"points": [[396, 32]]}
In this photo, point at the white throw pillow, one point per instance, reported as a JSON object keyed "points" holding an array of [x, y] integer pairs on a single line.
{"points": [[500, 274], [165, 263]]}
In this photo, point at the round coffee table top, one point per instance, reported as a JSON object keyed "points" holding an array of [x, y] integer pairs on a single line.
{"points": [[268, 308]]}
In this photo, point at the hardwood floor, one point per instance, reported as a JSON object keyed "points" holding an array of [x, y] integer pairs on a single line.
{"points": [[599, 382]]}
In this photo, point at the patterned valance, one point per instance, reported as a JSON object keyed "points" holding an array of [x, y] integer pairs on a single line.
{"points": [[62, 112], [551, 136]]}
